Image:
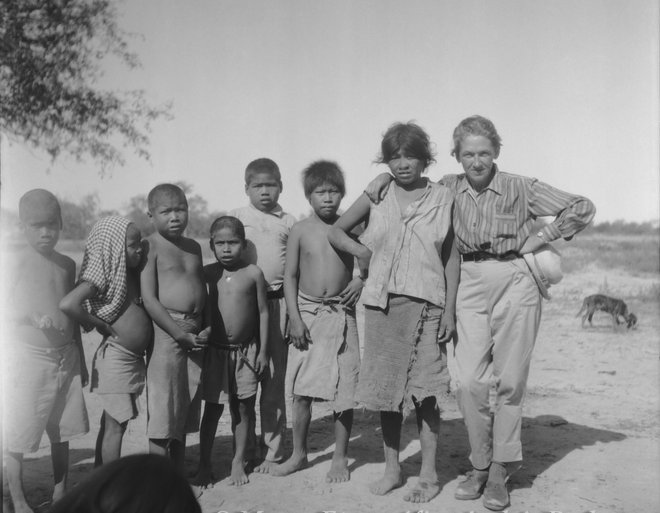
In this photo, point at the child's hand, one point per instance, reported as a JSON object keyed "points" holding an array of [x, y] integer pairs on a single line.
{"points": [[261, 364], [363, 260], [377, 188], [351, 294], [191, 342], [107, 331], [41, 322], [299, 334], [447, 328], [204, 334]]}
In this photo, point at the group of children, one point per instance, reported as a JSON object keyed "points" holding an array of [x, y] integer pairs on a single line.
{"points": [[185, 331]]}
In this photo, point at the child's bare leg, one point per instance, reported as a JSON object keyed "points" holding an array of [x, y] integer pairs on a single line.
{"points": [[302, 416], [428, 424], [113, 434], [159, 446], [390, 423], [15, 482], [98, 451], [59, 454], [338, 472], [242, 414], [177, 453], [212, 413]]}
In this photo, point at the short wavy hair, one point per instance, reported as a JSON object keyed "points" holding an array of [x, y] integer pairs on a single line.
{"points": [[409, 139], [322, 172], [475, 125]]}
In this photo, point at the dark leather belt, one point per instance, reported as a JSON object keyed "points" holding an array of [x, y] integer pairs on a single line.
{"points": [[480, 256], [275, 294]]}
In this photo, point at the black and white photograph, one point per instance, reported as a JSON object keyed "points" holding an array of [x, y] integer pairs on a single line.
{"points": [[340, 256]]}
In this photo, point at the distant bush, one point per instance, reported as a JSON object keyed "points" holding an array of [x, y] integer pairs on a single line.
{"points": [[625, 227], [631, 252]]}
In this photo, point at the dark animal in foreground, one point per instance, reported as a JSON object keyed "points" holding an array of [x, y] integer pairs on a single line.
{"points": [[615, 307]]}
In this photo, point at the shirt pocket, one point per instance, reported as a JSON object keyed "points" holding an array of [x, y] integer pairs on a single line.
{"points": [[506, 226]]}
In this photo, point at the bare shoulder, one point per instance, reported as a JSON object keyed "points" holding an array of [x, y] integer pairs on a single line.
{"points": [[65, 263], [152, 243], [253, 272], [301, 227]]}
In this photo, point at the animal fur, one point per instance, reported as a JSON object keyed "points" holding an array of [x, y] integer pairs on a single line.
{"points": [[615, 307]]}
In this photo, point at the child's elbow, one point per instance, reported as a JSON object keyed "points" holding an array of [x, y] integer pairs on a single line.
{"points": [[67, 305]]}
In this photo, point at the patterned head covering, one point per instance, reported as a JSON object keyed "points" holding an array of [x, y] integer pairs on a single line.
{"points": [[104, 266]]}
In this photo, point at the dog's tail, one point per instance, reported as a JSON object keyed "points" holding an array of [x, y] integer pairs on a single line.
{"points": [[584, 307]]}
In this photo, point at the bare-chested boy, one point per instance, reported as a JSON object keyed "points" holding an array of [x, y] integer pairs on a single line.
{"points": [[320, 292], [174, 295], [107, 298], [45, 366], [237, 355]]}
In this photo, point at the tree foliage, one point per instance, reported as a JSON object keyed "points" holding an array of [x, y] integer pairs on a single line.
{"points": [[51, 55]]}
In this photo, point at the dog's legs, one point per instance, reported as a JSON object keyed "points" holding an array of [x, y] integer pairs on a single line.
{"points": [[590, 316]]}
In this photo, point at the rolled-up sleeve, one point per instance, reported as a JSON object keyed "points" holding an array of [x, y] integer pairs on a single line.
{"points": [[573, 213]]}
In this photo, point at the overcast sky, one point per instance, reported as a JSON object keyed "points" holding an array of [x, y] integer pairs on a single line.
{"points": [[572, 88]]}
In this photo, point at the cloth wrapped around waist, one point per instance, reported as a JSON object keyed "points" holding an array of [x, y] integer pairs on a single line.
{"points": [[117, 370], [317, 374]]}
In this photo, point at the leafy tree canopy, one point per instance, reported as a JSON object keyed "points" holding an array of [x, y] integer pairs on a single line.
{"points": [[50, 60]]}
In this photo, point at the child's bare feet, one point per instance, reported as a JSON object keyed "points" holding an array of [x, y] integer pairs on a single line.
{"points": [[203, 479], [424, 491], [389, 481], [295, 463], [338, 472], [238, 476], [265, 466]]}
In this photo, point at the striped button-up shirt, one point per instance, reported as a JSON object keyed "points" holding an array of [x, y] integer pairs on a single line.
{"points": [[405, 247], [499, 218]]}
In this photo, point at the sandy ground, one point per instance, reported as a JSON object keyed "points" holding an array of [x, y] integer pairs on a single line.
{"points": [[590, 429]]}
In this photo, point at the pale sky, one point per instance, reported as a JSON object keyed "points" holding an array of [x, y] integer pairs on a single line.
{"points": [[572, 88]]}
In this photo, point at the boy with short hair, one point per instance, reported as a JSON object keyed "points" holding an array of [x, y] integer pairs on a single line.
{"points": [[45, 369], [320, 291], [267, 229], [107, 297], [174, 295], [237, 354]]}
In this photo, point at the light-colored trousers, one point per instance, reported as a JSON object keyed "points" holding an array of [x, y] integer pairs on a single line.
{"points": [[498, 314], [272, 405]]}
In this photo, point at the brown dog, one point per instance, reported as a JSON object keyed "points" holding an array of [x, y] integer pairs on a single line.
{"points": [[615, 307]]}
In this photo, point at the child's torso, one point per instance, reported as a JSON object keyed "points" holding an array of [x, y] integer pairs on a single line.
{"points": [[322, 271], [267, 236], [237, 306], [37, 290], [180, 281], [133, 326]]}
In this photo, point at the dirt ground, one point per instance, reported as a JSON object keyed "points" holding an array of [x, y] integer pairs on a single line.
{"points": [[590, 428]]}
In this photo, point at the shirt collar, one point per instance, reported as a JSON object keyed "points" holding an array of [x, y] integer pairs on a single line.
{"points": [[495, 184], [277, 211]]}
